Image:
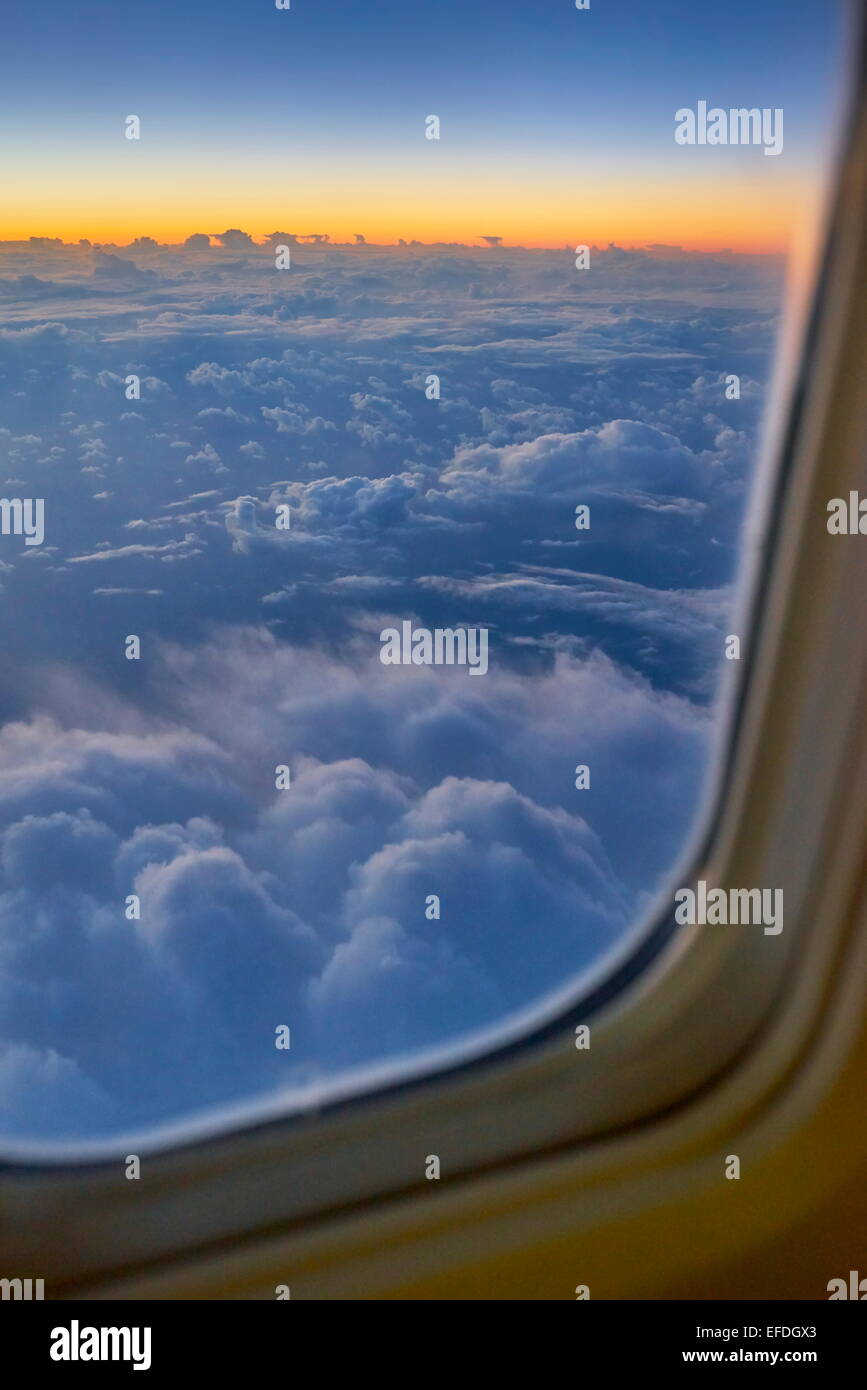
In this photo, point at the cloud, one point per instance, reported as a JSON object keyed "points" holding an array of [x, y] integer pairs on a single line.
{"points": [[261, 907], [260, 646], [175, 550], [625, 453], [115, 270], [233, 239]]}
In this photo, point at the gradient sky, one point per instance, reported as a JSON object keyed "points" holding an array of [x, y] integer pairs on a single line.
{"points": [[557, 125]]}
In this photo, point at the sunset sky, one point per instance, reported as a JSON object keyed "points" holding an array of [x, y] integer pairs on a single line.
{"points": [[557, 125]]}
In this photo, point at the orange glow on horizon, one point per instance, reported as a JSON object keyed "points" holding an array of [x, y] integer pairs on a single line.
{"points": [[121, 239], [738, 213], [739, 241]]}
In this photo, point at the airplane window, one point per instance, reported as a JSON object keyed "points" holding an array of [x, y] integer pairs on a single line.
{"points": [[383, 389]]}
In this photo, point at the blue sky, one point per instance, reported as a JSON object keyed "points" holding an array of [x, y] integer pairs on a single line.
{"points": [[331, 94]]}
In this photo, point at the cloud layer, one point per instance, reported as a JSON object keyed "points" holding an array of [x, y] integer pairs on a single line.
{"points": [[260, 390]]}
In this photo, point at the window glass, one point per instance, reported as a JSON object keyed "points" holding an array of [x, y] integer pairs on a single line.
{"points": [[382, 389]]}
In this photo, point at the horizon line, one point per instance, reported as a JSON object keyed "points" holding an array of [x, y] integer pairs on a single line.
{"points": [[320, 241]]}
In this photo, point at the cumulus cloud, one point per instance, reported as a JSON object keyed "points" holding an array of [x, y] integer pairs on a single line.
{"points": [[621, 452], [234, 239], [307, 907]]}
